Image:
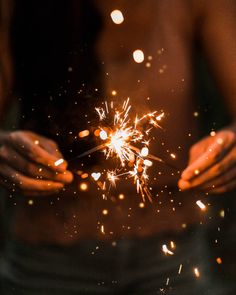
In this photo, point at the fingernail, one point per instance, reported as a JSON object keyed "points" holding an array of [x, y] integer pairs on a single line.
{"points": [[183, 185]]}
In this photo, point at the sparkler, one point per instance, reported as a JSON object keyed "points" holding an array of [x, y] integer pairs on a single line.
{"points": [[127, 141]]}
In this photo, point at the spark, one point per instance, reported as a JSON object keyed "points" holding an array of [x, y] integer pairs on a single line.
{"points": [[121, 196], [83, 186], [222, 213], [117, 17], [172, 245], [166, 250], [144, 152], [112, 177], [58, 162], [83, 133], [103, 135], [201, 205], [104, 211], [196, 272], [196, 172], [96, 175]]}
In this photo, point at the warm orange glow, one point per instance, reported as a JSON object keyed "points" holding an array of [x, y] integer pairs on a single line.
{"points": [[83, 133]]}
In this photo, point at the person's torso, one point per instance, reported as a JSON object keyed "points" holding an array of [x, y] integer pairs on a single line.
{"points": [[73, 57]]}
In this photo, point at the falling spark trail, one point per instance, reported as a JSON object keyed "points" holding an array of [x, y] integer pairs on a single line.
{"points": [[180, 269]]}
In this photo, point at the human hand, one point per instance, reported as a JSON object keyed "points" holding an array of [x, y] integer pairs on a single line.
{"points": [[27, 164], [212, 164]]}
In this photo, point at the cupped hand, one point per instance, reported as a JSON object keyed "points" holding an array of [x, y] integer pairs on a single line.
{"points": [[27, 164], [212, 164]]}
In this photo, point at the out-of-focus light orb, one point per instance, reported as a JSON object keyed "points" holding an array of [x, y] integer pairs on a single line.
{"points": [[96, 175], [104, 211], [201, 205], [83, 186], [83, 133], [147, 163], [144, 152], [213, 133], [138, 56], [117, 17], [103, 135], [30, 202], [121, 196], [141, 205]]}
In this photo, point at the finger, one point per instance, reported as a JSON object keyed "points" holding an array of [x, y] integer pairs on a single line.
{"points": [[214, 183], [28, 168], [221, 180], [13, 189], [50, 146], [39, 194], [32, 150], [214, 153], [217, 170], [25, 183], [225, 188]]}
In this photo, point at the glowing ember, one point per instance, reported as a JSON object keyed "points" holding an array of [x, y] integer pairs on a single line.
{"points": [[196, 172], [138, 56], [196, 272], [59, 162], [213, 133], [102, 229], [83, 186], [104, 211], [180, 269], [121, 196], [201, 205], [172, 245], [83, 133], [166, 250], [117, 17]]}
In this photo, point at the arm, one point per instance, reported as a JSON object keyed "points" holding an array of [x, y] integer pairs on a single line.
{"points": [[212, 163], [27, 160]]}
